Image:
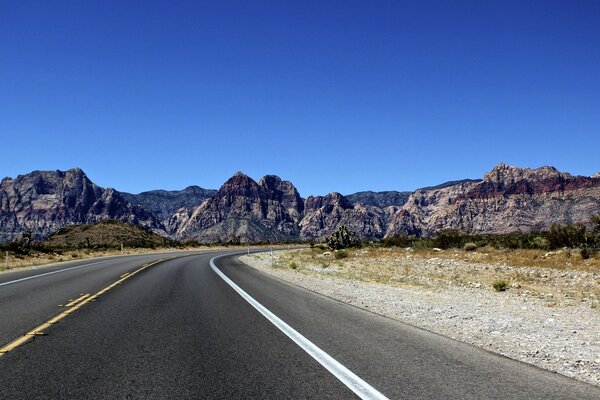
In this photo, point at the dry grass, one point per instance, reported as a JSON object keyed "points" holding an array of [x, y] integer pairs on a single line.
{"points": [[558, 277], [567, 259]]}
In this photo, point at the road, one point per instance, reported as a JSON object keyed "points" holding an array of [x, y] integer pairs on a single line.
{"points": [[178, 329]]}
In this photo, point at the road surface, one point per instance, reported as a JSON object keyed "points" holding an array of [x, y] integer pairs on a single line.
{"points": [[177, 329]]}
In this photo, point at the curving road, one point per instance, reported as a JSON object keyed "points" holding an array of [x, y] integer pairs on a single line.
{"points": [[178, 329]]}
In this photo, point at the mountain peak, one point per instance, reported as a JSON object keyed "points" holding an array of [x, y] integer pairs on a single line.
{"points": [[240, 184], [509, 174]]}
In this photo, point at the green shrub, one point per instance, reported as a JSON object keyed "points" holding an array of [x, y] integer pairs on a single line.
{"points": [[450, 238], [339, 254], [293, 265], [585, 253], [500, 286], [566, 236], [400, 241]]}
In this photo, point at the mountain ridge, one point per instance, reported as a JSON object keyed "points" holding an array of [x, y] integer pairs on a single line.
{"points": [[507, 198]]}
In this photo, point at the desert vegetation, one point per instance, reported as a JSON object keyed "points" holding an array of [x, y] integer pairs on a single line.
{"points": [[561, 265]]}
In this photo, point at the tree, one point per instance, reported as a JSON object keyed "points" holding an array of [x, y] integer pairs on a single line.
{"points": [[342, 238]]}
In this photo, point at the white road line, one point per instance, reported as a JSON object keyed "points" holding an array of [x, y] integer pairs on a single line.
{"points": [[361, 388], [51, 273]]}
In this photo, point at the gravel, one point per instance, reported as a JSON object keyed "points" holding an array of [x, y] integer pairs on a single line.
{"points": [[562, 336]]}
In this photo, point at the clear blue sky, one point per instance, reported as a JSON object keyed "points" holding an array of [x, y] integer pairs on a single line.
{"points": [[334, 96]]}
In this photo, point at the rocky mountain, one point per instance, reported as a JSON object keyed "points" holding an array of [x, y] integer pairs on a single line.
{"points": [[507, 199], [379, 199], [243, 210], [323, 214], [450, 183], [164, 203], [246, 211], [44, 201]]}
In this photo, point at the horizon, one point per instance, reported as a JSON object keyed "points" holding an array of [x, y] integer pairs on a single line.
{"points": [[334, 97]]}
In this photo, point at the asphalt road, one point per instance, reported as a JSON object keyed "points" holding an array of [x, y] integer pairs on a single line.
{"points": [[177, 329]]}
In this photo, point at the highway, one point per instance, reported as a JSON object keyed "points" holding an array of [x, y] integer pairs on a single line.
{"points": [[204, 325]]}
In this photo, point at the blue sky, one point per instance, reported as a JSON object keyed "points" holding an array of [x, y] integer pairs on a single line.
{"points": [[332, 95]]}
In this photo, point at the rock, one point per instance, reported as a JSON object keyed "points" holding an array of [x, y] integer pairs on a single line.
{"points": [[165, 204], [245, 211], [379, 199], [323, 215], [506, 200]]}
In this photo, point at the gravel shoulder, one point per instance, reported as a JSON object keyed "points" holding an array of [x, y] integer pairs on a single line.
{"points": [[549, 318]]}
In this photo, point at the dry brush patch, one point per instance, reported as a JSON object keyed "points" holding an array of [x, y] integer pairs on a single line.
{"points": [[559, 277]]}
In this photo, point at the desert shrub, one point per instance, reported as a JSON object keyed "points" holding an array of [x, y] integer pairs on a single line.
{"points": [[585, 253], [540, 242], [293, 265], [450, 238], [500, 286], [340, 254], [342, 238], [470, 246], [400, 241], [566, 236]]}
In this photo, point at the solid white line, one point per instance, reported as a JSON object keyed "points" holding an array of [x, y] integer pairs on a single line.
{"points": [[53, 272], [361, 388]]}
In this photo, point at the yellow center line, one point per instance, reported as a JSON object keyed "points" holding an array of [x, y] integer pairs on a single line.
{"points": [[77, 300], [72, 307]]}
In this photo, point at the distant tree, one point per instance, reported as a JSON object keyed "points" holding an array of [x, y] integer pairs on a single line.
{"points": [[342, 238]]}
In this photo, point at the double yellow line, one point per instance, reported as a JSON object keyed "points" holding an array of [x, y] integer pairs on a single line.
{"points": [[73, 306]]}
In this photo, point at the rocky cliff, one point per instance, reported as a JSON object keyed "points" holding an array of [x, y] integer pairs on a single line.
{"points": [[379, 199], [323, 214], [44, 201], [246, 211], [165, 203], [507, 199]]}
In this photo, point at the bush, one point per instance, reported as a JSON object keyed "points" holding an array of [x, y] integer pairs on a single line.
{"points": [[400, 241], [339, 254], [470, 246], [450, 238], [500, 286], [585, 253], [293, 265], [566, 236]]}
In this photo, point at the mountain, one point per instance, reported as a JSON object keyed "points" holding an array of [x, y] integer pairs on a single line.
{"points": [[271, 210], [507, 199], [450, 183], [379, 199], [244, 210], [163, 204], [323, 214], [45, 201]]}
